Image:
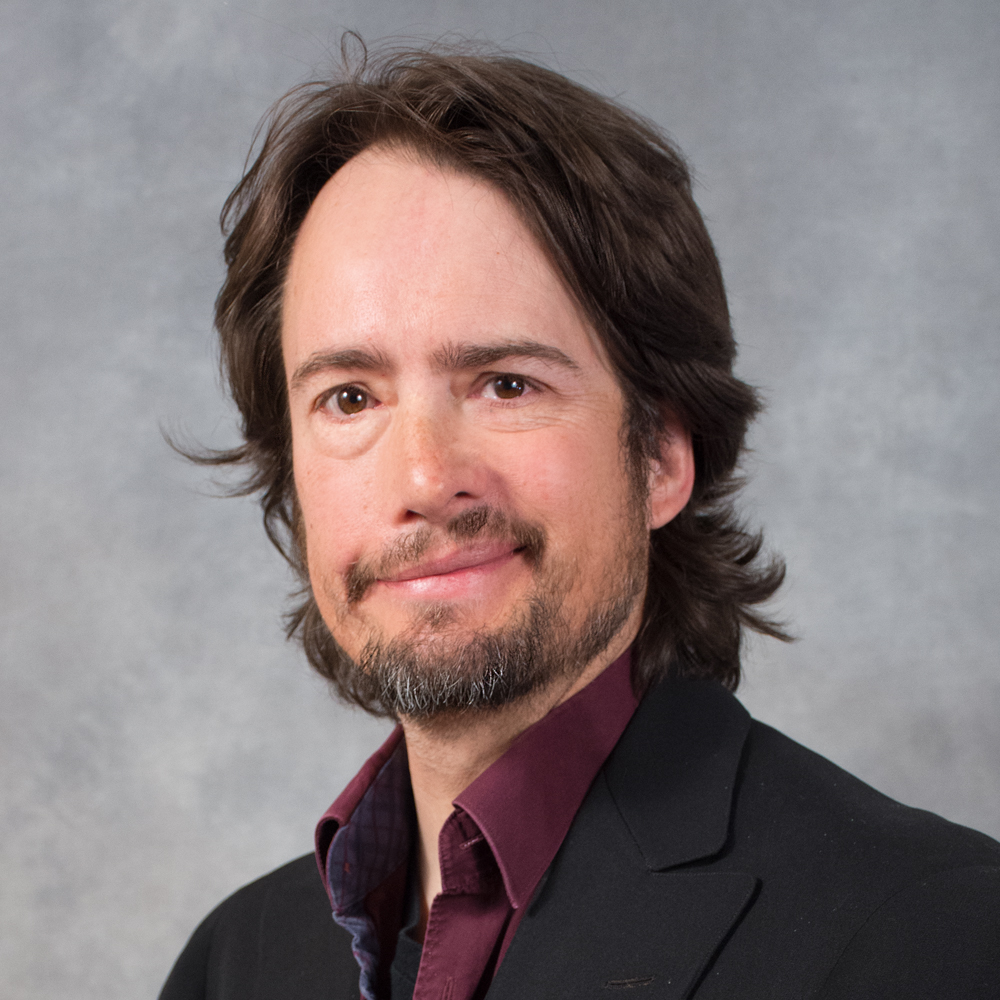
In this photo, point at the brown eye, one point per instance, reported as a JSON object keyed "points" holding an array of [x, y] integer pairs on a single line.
{"points": [[352, 399], [508, 386]]}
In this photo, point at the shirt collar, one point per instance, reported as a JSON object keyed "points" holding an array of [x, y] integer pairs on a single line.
{"points": [[362, 784], [525, 802]]}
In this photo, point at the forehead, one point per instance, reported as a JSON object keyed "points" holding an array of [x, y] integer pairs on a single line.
{"points": [[407, 255]]}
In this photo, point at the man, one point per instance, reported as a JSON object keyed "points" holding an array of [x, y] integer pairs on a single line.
{"points": [[479, 339]]}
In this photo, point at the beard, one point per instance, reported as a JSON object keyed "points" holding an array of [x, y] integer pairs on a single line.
{"points": [[435, 667]]}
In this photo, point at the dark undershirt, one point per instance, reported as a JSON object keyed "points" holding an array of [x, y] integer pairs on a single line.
{"points": [[406, 962]]}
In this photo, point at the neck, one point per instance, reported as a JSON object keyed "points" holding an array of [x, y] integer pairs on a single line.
{"points": [[447, 754]]}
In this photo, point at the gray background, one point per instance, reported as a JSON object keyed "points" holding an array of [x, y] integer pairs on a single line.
{"points": [[161, 744]]}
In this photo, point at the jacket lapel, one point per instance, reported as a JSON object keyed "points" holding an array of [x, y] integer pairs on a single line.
{"points": [[616, 911]]}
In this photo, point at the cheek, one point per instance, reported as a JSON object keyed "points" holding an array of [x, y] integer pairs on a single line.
{"points": [[574, 484], [334, 502]]}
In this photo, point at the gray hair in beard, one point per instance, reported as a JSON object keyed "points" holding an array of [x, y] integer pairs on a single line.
{"points": [[413, 677]]}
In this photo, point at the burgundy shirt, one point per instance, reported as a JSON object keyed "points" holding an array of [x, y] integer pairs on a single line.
{"points": [[494, 848]]}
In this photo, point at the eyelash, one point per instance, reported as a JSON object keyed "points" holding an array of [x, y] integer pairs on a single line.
{"points": [[324, 398], [529, 384]]}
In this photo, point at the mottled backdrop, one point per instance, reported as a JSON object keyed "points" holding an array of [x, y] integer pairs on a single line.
{"points": [[161, 744]]}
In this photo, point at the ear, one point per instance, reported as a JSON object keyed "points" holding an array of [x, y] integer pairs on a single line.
{"points": [[671, 474]]}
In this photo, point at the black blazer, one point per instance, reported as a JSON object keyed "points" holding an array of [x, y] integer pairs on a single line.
{"points": [[712, 858]]}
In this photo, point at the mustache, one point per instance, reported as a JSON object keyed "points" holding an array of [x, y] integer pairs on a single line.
{"points": [[483, 523]]}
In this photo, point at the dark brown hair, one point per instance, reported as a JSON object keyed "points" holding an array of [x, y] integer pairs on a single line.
{"points": [[609, 199]]}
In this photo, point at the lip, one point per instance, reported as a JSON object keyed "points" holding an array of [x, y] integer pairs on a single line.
{"points": [[477, 557]]}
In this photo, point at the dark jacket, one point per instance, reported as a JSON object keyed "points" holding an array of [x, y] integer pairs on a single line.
{"points": [[712, 858]]}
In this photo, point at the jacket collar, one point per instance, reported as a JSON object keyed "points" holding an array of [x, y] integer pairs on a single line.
{"points": [[674, 772], [617, 910]]}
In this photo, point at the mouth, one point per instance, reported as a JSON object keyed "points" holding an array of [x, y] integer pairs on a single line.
{"points": [[462, 561], [485, 553]]}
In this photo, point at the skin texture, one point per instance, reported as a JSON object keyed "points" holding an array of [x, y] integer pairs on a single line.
{"points": [[476, 381]]}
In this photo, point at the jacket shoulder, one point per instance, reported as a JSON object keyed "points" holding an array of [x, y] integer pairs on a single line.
{"points": [[273, 938], [936, 939], [794, 798], [860, 895]]}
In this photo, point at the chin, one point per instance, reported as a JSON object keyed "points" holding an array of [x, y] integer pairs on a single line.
{"points": [[443, 619]]}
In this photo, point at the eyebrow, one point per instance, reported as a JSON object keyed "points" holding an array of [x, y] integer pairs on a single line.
{"points": [[353, 359], [451, 357], [458, 357]]}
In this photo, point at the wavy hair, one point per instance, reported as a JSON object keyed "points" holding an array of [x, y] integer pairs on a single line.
{"points": [[608, 198]]}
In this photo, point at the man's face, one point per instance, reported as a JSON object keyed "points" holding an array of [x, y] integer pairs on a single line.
{"points": [[456, 433]]}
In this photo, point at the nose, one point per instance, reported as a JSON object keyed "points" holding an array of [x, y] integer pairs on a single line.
{"points": [[432, 471]]}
